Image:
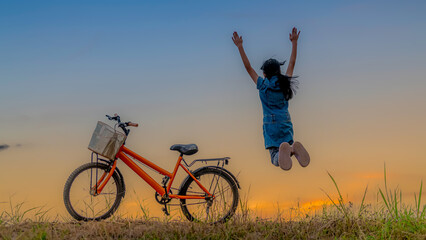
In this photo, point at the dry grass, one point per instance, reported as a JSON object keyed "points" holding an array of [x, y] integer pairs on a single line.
{"points": [[391, 219], [316, 227]]}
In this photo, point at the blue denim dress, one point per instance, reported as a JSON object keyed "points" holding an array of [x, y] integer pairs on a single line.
{"points": [[277, 126]]}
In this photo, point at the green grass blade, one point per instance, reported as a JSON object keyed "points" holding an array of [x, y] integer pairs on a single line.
{"points": [[342, 206], [420, 197], [335, 184], [362, 202], [386, 183], [385, 201], [416, 205], [396, 204], [338, 208], [21, 217]]}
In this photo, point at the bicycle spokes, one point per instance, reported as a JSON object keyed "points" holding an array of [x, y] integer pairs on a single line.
{"points": [[79, 196], [211, 209]]}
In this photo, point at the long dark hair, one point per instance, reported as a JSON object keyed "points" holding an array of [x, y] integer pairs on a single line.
{"points": [[288, 85]]}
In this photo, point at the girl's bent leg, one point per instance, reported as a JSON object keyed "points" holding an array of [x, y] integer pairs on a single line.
{"points": [[274, 155], [284, 158], [301, 154]]}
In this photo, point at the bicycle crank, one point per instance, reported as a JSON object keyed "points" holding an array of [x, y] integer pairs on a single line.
{"points": [[163, 199]]}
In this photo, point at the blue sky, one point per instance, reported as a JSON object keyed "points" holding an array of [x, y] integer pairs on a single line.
{"points": [[50, 49]]}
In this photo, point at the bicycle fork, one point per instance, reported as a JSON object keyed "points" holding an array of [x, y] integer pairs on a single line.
{"points": [[100, 184]]}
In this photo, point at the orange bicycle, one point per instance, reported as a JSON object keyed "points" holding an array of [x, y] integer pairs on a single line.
{"points": [[94, 190]]}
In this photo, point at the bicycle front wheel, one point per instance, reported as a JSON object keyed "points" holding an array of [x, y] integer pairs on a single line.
{"points": [[79, 193], [218, 183]]}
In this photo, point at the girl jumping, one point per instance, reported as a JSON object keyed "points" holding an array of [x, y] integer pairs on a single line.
{"points": [[275, 90]]}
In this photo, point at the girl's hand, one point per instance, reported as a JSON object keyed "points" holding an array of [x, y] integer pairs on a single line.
{"points": [[238, 40], [294, 35]]}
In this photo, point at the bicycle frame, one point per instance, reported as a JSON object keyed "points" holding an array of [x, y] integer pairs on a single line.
{"points": [[157, 187]]}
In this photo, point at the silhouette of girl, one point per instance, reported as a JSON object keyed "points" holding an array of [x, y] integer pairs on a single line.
{"points": [[275, 90]]}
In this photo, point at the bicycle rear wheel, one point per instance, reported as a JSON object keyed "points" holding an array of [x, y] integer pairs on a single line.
{"points": [[218, 183], [79, 198]]}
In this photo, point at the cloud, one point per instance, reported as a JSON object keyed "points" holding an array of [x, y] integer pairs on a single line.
{"points": [[4, 147]]}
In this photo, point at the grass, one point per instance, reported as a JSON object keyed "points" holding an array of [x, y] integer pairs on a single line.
{"points": [[390, 219]]}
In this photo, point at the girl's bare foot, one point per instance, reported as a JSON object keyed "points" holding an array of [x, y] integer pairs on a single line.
{"points": [[284, 158], [301, 154]]}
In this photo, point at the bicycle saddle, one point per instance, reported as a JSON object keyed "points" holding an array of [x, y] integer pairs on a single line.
{"points": [[187, 149]]}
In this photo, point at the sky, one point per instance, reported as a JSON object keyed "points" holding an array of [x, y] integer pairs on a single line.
{"points": [[172, 67]]}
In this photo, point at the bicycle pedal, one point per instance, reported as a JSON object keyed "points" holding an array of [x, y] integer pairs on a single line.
{"points": [[165, 211]]}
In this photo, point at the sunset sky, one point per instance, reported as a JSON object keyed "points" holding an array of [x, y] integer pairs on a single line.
{"points": [[172, 67]]}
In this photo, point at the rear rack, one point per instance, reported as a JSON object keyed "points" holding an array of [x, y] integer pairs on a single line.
{"points": [[224, 160]]}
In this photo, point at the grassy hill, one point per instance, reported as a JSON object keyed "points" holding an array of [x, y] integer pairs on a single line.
{"points": [[390, 219]]}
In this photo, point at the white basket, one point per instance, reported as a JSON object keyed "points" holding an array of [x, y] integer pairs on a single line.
{"points": [[106, 141]]}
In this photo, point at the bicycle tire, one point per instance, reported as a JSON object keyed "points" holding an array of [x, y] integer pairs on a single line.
{"points": [[200, 174], [117, 180]]}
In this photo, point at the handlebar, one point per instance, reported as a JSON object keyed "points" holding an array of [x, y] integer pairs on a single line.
{"points": [[130, 124], [122, 125], [116, 117]]}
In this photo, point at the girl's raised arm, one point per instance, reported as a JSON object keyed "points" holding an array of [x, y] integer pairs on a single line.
{"points": [[294, 36], [238, 41]]}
